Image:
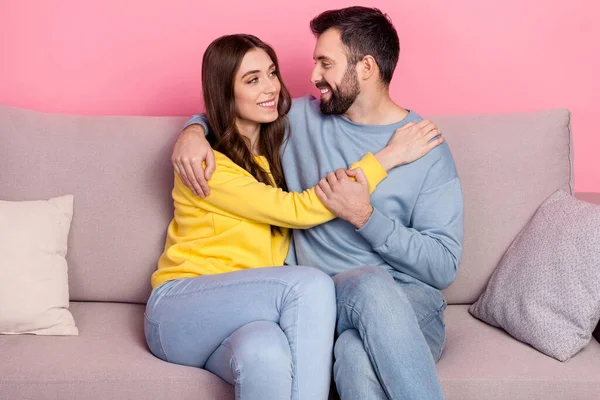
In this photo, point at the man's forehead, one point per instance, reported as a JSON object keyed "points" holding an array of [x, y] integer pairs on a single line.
{"points": [[329, 46]]}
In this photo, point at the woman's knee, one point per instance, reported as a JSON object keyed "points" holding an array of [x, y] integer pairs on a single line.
{"points": [[313, 277], [261, 347], [315, 286]]}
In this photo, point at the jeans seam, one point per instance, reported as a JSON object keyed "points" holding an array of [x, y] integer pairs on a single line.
{"points": [[430, 320], [294, 353], [225, 285], [431, 316], [441, 347], [156, 325], [236, 370]]}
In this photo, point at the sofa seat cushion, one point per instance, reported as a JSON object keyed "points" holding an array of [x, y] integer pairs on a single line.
{"points": [[108, 360], [483, 362]]}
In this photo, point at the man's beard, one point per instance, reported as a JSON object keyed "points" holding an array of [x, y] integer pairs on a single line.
{"points": [[344, 96]]}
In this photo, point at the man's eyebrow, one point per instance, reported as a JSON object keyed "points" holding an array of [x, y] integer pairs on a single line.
{"points": [[323, 58], [256, 71]]}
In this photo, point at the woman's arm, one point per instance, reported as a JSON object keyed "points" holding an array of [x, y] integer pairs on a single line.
{"points": [[236, 193]]}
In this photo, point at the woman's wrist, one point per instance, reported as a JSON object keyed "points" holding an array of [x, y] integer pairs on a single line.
{"points": [[388, 159]]}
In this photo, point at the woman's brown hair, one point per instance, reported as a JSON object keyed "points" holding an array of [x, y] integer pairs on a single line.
{"points": [[220, 64]]}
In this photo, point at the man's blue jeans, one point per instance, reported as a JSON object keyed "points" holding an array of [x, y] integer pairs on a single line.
{"points": [[267, 331], [390, 335]]}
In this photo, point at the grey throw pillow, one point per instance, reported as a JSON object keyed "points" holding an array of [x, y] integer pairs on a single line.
{"points": [[546, 289]]}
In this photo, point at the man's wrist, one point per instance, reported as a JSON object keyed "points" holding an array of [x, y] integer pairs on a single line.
{"points": [[196, 130], [362, 217]]}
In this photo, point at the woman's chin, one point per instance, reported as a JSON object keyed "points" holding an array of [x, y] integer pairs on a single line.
{"points": [[268, 118]]}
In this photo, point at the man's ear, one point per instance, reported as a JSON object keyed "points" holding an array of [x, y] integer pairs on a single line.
{"points": [[368, 67]]}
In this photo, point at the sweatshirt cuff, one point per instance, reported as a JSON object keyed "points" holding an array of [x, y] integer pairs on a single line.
{"points": [[199, 119], [373, 170], [377, 229]]}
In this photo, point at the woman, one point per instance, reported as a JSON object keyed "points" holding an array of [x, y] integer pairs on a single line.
{"points": [[267, 331]]}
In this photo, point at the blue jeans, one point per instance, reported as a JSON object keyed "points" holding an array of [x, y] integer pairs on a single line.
{"points": [[390, 335], [267, 331]]}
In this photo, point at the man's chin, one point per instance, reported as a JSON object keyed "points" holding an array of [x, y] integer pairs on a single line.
{"points": [[327, 109]]}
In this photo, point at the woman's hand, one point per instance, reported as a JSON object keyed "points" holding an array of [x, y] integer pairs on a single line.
{"points": [[409, 143]]}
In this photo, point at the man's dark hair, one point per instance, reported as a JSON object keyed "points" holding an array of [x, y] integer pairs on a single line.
{"points": [[364, 31]]}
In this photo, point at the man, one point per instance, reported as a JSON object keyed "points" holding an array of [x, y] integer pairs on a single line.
{"points": [[388, 261]]}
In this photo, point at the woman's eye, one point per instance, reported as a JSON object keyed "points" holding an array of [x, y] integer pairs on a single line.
{"points": [[253, 80], [272, 73]]}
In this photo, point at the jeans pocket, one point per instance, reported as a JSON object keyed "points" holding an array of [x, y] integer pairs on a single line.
{"points": [[152, 332]]}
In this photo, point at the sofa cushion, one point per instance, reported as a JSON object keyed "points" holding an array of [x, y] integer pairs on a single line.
{"points": [[508, 165], [483, 362], [108, 360]]}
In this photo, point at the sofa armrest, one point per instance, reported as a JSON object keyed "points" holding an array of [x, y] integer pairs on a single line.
{"points": [[593, 198], [590, 197]]}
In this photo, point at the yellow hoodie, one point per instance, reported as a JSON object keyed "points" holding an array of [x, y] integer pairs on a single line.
{"points": [[230, 229]]}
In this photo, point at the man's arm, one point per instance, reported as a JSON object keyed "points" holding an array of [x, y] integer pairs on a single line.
{"points": [[430, 250], [409, 143], [189, 153]]}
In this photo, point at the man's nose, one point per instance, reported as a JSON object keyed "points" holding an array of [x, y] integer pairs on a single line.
{"points": [[315, 76]]}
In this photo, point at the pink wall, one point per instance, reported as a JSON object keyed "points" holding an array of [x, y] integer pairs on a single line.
{"points": [[463, 56]]}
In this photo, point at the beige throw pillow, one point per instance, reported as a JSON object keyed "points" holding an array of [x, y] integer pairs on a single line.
{"points": [[34, 289]]}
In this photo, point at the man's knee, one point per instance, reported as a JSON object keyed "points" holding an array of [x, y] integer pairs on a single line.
{"points": [[354, 374], [349, 348], [364, 282]]}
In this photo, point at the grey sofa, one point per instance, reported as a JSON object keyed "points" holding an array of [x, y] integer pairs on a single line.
{"points": [[118, 169]]}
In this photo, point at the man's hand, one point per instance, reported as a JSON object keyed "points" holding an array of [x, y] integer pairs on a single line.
{"points": [[349, 200], [190, 150], [409, 143]]}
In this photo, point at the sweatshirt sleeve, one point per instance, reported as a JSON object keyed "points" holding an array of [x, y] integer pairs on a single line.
{"points": [[430, 249]]}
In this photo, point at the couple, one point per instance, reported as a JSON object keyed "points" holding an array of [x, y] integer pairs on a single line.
{"points": [[368, 290]]}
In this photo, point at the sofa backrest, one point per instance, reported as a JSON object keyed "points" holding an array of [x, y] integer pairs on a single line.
{"points": [[119, 171], [508, 165]]}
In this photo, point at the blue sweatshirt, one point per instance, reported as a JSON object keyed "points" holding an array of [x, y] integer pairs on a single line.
{"points": [[416, 228]]}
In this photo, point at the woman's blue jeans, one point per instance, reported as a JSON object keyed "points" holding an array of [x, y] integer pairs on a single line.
{"points": [[267, 331]]}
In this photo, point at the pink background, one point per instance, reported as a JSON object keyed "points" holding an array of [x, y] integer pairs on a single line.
{"points": [[139, 57]]}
